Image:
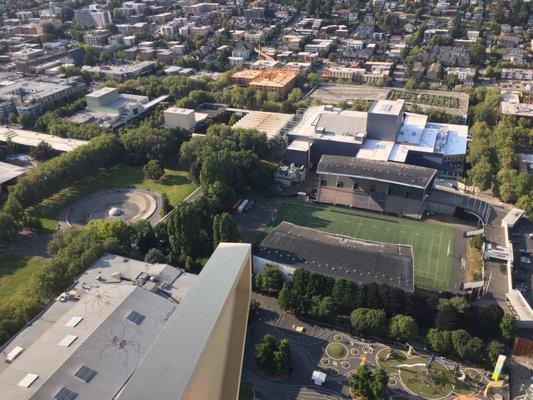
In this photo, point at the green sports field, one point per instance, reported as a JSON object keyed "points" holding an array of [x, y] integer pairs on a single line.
{"points": [[432, 243]]}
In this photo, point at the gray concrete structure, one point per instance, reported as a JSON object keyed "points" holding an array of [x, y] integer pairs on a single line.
{"points": [[385, 119], [199, 353], [129, 329], [290, 247]]}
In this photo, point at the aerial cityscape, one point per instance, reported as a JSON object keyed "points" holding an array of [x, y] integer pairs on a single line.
{"points": [[266, 200]]}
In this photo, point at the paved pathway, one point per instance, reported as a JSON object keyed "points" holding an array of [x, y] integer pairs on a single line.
{"points": [[30, 244]]}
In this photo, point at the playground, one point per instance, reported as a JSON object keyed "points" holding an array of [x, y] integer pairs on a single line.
{"points": [[338, 354], [430, 377]]}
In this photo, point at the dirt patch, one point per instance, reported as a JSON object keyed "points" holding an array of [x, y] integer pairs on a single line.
{"points": [[474, 260]]}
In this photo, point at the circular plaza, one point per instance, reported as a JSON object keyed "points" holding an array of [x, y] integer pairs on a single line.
{"points": [[123, 204]]}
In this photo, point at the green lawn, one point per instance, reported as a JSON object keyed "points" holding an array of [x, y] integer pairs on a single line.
{"points": [[433, 244], [16, 270], [175, 184]]}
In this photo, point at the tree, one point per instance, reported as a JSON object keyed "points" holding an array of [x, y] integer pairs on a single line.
{"points": [[508, 327], [403, 328], [477, 52], [60, 172], [525, 202], [153, 170], [221, 193], [224, 229], [368, 385], [347, 294], [494, 349], [512, 184], [119, 234], [476, 350], [458, 302], [185, 231], [42, 152], [311, 7], [155, 256], [143, 235], [269, 280], [8, 229], [220, 166], [440, 341], [166, 206], [461, 341], [148, 143], [326, 309], [288, 299], [369, 321], [447, 318], [273, 357]]}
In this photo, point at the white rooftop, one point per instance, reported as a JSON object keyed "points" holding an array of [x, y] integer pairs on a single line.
{"points": [[268, 122], [417, 134], [31, 138], [375, 150], [299, 145], [388, 107], [331, 123]]}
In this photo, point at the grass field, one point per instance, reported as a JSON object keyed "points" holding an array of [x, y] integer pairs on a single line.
{"points": [[175, 184], [433, 244], [16, 270]]}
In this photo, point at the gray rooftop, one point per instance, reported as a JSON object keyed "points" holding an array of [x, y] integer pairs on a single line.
{"points": [[339, 256], [104, 339], [10, 171], [167, 369], [388, 107], [385, 171], [341, 124]]}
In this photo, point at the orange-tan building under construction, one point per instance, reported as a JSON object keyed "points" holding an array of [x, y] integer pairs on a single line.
{"points": [[275, 80]]}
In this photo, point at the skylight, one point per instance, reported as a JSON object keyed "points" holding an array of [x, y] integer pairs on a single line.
{"points": [[135, 317], [65, 394], [85, 373]]}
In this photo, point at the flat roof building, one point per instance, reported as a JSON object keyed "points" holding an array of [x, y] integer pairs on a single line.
{"points": [[9, 172], [108, 108], [269, 123], [184, 118], [120, 72], [34, 97], [98, 340], [291, 247], [280, 81], [386, 132], [33, 139], [376, 185]]}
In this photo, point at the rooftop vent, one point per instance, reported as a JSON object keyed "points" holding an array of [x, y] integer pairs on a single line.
{"points": [[135, 317], [74, 321], [65, 394], [67, 340], [85, 373], [28, 380]]}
